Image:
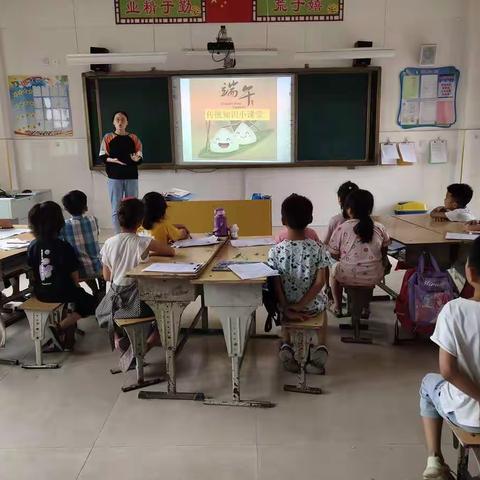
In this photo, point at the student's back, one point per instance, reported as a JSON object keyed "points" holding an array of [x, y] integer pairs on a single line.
{"points": [[122, 253], [458, 332], [52, 262]]}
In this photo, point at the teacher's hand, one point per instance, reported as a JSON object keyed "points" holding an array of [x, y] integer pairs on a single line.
{"points": [[115, 160], [135, 157]]}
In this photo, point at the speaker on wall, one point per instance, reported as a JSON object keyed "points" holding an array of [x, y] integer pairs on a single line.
{"points": [[362, 62], [99, 67], [428, 55]]}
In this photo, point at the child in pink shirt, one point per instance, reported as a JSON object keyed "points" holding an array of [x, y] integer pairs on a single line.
{"points": [[334, 289], [359, 244], [309, 233]]}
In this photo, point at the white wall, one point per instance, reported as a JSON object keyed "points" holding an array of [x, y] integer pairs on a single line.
{"points": [[36, 36]]}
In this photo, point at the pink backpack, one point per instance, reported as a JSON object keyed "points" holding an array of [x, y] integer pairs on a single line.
{"points": [[429, 289]]}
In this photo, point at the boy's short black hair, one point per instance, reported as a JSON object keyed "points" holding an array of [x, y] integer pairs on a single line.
{"points": [[474, 256], [130, 213], [75, 202], [122, 112], [46, 220], [297, 212], [461, 193]]}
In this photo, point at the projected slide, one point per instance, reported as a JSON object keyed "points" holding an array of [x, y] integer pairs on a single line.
{"points": [[233, 119]]}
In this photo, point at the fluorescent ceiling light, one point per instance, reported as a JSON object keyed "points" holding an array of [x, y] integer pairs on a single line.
{"points": [[253, 52], [346, 54], [116, 58]]}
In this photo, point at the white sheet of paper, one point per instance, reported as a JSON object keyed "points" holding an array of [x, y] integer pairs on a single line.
{"points": [[13, 244], [409, 115], [429, 86], [196, 242], [12, 231], [407, 152], [389, 154], [428, 112], [438, 151], [247, 271], [461, 236], [173, 267], [252, 242]]}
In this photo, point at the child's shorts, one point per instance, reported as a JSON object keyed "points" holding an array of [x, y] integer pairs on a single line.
{"points": [[430, 405]]}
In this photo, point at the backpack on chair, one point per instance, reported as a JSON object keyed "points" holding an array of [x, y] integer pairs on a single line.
{"points": [[271, 305], [425, 290]]}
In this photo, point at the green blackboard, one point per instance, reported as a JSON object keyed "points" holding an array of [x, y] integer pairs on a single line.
{"points": [[336, 115], [337, 121], [146, 100]]}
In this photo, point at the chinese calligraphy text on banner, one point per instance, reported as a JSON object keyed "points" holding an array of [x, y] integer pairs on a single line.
{"points": [[228, 11]]}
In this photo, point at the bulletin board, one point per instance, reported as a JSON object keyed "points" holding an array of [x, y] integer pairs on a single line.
{"points": [[428, 97]]}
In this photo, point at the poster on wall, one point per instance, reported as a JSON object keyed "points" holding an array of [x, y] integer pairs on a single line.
{"points": [[40, 105], [428, 97], [229, 11]]}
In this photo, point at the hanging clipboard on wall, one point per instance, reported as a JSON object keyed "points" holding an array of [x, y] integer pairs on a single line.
{"points": [[428, 97]]}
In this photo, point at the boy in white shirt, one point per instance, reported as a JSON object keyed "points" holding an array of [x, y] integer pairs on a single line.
{"points": [[455, 204], [455, 393]]}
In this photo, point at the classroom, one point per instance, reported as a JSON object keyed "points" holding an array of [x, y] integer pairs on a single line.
{"points": [[238, 239]]}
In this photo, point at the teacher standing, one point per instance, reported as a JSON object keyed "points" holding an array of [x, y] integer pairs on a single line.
{"points": [[121, 152]]}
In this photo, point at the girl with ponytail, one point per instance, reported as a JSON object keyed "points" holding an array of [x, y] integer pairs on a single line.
{"points": [[359, 245], [333, 289]]}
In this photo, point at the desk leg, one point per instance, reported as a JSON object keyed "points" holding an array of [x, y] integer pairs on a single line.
{"points": [[38, 321], [236, 322], [168, 315]]}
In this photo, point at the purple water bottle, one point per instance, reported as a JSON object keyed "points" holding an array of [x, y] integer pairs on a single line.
{"points": [[220, 227]]}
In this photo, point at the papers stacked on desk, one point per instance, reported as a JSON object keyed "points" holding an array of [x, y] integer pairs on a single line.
{"points": [[177, 195], [461, 236], [252, 242], [13, 244], [174, 267], [10, 232], [247, 271], [196, 242]]}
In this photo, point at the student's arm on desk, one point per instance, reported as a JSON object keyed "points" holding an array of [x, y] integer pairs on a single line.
{"points": [[473, 226], [439, 214], [159, 248], [452, 374]]}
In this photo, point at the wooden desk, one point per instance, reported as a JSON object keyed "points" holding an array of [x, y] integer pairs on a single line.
{"points": [[13, 263], [419, 234], [235, 301], [429, 223], [168, 295]]}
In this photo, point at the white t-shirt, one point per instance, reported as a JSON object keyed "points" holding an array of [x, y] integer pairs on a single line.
{"points": [[123, 253], [460, 215], [458, 332]]}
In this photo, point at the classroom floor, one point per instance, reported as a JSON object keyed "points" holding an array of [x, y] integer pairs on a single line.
{"points": [[74, 423]]}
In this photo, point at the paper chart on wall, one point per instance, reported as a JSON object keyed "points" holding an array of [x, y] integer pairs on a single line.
{"points": [[428, 112], [407, 151], [390, 154], [429, 85], [438, 151]]}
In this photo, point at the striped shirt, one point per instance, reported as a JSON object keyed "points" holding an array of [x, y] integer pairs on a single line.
{"points": [[81, 232]]}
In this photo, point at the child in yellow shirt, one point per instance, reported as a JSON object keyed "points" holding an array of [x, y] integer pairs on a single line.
{"points": [[155, 222]]}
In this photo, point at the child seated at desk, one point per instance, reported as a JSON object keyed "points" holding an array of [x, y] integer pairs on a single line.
{"points": [[155, 222], [301, 263], [359, 244], [120, 254], [81, 232], [454, 394], [455, 204], [55, 269], [334, 289]]}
